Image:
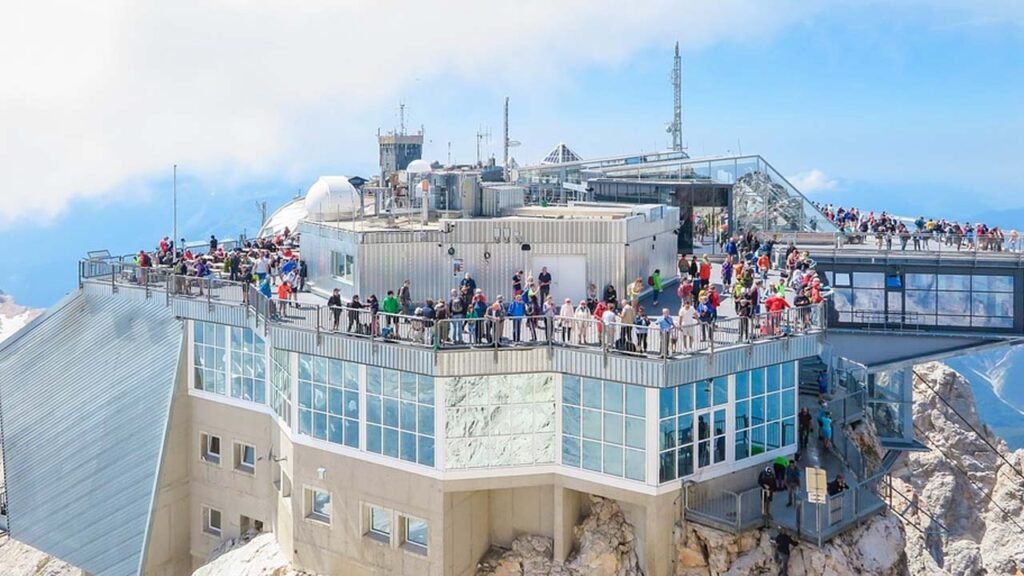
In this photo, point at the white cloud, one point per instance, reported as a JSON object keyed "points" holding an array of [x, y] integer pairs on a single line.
{"points": [[813, 181], [101, 96]]}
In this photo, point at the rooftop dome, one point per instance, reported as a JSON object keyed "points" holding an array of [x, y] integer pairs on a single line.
{"points": [[331, 198], [287, 216], [418, 167]]}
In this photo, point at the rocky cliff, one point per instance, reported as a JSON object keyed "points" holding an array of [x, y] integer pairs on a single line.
{"points": [[974, 497], [17, 559], [252, 554], [13, 316]]}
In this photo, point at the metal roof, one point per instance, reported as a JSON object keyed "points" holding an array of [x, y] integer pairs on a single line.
{"points": [[84, 397]]}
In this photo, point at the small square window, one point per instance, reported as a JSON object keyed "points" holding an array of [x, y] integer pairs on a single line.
{"points": [[211, 521], [245, 458], [415, 537], [318, 505], [210, 448], [380, 522]]}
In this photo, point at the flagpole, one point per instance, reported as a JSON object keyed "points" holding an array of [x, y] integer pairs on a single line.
{"points": [[174, 213]]}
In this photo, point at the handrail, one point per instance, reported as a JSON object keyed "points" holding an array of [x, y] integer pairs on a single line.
{"points": [[462, 332]]}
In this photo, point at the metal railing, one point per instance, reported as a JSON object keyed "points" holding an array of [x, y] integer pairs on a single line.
{"points": [[724, 509], [491, 331], [921, 243]]}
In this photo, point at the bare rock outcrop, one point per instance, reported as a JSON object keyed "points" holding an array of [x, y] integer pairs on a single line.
{"points": [[874, 548], [605, 546], [18, 559], [963, 503], [252, 554]]}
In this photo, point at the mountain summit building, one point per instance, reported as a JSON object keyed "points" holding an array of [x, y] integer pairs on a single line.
{"points": [[147, 416]]}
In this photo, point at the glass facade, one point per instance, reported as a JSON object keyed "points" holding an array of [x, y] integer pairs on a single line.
{"points": [[692, 431], [248, 366], [765, 413], [281, 385], [329, 400], [603, 427], [400, 415], [925, 298], [236, 355], [505, 420]]}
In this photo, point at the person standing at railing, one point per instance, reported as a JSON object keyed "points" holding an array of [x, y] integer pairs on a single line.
{"points": [[583, 317], [517, 283], [635, 289], [704, 271], [516, 311], [303, 274], [707, 314], [837, 486], [457, 309], [609, 318], [764, 264], [496, 322], [744, 310], [405, 297], [234, 265], [441, 324], [727, 273], [262, 266], [284, 292], [334, 304], [565, 320], [354, 308], [688, 321], [626, 317], [642, 324], [802, 303], [390, 307], [775, 305], [548, 310], [666, 326], [533, 311]]}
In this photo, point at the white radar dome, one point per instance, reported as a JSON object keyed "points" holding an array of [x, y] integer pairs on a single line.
{"points": [[418, 167], [331, 198]]}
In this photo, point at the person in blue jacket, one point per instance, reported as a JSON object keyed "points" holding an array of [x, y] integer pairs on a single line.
{"points": [[517, 311]]}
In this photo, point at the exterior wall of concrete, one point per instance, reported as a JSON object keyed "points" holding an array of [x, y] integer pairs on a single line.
{"points": [[518, 511], [167, 551], [467, 529]]}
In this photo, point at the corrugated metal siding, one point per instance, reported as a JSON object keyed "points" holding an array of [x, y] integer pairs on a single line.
{"points": [[374, 353], [85, 400], [484, 362], [642, 371], [724, 362], [230, 314]]}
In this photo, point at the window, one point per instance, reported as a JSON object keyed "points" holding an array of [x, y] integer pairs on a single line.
{"points": [[329, 400], [209, 448], [248, 366], [246, 524], [380, 523], [245, 458], [281, 385], [400, 415], [211, 521], [318, 505], [223, 355], [284, 484], [415, 537], [766, 412], [343, 266], [603, 427]]}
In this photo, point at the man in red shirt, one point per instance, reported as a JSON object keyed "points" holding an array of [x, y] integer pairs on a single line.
{"points": [[775, 304]]}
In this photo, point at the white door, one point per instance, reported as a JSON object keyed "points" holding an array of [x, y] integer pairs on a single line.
{"points": [[568, 276]]}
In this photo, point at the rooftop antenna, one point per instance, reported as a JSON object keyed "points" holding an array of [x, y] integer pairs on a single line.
{"points": [[401, 117], [262, 207], [676, 127], [174, 209], [509, 143], [481, 135], [449, 153]]}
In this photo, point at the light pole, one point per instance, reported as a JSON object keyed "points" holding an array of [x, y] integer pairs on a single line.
{"points": [[174, 210]]}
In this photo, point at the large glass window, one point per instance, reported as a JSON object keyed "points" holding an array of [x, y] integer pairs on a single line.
{"points": [[603, 427], [281, 385], [248, 366], [400, 415], [961, 300], [679, 427], [210, 357], [329, 399], [343, 266], [225, 355], [766, 419]]}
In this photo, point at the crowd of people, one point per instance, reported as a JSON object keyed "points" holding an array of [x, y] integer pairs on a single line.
{"points": [[272, 265], [856, 226], [468, 316]]}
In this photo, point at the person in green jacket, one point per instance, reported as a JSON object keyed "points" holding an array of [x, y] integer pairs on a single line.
{"points": [[656, 284], [390, 306]]}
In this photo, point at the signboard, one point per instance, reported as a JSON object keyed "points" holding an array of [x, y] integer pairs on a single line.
{"points": [[817, 485], [458, 266]]}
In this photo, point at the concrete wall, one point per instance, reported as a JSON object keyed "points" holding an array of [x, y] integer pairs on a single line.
{"points": [[518, 511], [167, 549], [467, 529]]}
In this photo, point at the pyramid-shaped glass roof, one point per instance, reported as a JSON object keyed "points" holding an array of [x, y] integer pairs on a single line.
{"points": [[561, 154]]}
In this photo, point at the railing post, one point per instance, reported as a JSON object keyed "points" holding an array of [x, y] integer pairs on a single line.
{"points": [[113, 283], [739, 512]]}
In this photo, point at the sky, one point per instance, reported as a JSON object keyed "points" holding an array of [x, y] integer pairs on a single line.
{"points": [[907, 106]]}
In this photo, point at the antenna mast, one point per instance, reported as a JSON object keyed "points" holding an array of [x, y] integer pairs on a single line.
{"points": [[401, 117], [504, 164], [481, 135], [677, 109]]}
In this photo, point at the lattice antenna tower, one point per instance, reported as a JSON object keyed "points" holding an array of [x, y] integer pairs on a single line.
{"points": [[676, 127]]}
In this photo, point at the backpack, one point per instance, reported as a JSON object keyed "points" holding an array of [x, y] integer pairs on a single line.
{"points": [[650, 280], [457, 306]]}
